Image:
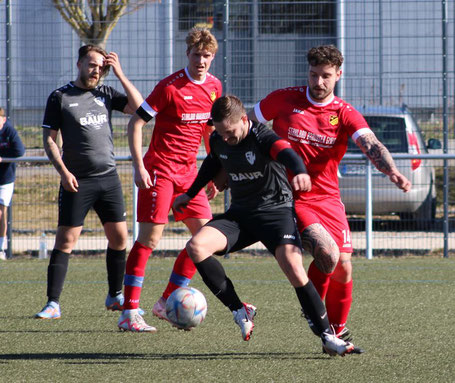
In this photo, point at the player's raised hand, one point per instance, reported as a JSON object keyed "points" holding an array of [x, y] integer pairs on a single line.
{"points": [[301, 182], [113, 61], [180, 202]]}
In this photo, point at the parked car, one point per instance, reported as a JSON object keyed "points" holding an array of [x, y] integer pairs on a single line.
{"points": [[396, 128]]}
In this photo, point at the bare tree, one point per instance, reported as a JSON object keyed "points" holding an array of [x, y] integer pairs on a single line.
{"points": [[94, 20]]}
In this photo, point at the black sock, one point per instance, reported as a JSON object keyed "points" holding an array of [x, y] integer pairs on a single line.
{"points": [[313, 308], [56, 273], [212, 273], [115, 264]]}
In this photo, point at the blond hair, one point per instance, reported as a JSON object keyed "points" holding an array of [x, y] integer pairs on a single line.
{"points": [[201, 39]]}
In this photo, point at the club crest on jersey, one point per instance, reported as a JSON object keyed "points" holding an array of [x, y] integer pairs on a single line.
{"points": [[333, 120], [250, 157], [213, 95], [99, 101]]}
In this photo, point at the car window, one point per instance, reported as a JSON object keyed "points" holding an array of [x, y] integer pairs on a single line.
{"points": [[391, 131]]}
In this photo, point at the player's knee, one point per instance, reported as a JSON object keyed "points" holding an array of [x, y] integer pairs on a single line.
{"points": [[327, 258], [196, 250], [148, 239], [343, 270]]}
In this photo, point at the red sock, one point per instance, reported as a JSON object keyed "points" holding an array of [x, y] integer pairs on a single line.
{"points": [[134, 274], [320, 280], [182, 273], [338, 303]]}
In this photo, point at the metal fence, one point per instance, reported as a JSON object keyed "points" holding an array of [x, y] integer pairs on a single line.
{"points": [[396, 52]]}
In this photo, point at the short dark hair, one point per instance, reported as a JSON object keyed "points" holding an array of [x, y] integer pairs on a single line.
{"points": [[325, 55], [227, 107]]}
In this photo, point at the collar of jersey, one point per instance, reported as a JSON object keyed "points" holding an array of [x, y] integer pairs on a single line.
{"points": [[317, 103], [192, 79]]}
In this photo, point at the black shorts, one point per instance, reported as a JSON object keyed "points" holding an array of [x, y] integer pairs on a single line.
{"points": [[242, 228], [103, 193]]}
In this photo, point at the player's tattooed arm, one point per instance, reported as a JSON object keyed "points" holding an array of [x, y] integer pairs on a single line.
{"points": [[381, 158], [318, 242], [376, 152]]}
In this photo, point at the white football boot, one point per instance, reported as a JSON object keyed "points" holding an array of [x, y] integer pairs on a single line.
{"points": [[334, 345], [244, 319], [131, 320]]}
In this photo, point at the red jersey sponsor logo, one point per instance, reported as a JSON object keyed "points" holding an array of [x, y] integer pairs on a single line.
{"points": [[195, 118], [305, 137]]}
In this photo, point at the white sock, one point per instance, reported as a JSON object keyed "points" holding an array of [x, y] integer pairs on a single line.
{"points": [[3, 242]]}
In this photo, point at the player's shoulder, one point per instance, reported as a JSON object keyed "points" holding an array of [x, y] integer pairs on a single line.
{"points": [[173, 79], [291, 92], [344, 106], [339, 103], [63, 89], [212, 78], [57, 94], [260, 130]]}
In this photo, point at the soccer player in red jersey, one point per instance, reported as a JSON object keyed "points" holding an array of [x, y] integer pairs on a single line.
{"points": [[318, 125], [181, 104]]}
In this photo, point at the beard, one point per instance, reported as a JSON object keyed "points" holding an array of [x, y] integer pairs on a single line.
{"points": [[319, 94], [89, 82]]}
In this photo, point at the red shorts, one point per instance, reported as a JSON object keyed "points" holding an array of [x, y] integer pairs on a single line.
{"points": [[154, 204], [330, 213]]}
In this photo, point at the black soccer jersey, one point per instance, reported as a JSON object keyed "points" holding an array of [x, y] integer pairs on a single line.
{"points": [[84, 118], [255, 179]]}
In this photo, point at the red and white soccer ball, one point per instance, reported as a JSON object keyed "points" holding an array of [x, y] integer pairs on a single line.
{"points": [[186, 307]]}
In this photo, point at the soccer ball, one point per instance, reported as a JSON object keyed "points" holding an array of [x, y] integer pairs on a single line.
{"points": [[186, 307]]}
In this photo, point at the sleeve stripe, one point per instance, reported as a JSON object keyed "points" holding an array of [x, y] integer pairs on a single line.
{"points": [[277, 147], [258, 113], [152, 112], [360, 132]]}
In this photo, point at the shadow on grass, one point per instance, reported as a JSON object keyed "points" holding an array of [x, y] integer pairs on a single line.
{"points": [[52, 331], [88, 358]]}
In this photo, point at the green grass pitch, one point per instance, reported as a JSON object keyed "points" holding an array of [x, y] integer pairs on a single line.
{"points": [[403, 313]]}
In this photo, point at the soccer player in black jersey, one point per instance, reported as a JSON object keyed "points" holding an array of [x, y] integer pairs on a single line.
{"points": [[82, 111], [255, 160]]}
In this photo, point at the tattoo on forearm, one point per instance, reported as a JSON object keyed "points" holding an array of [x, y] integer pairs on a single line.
{"points": [[376, 152]]}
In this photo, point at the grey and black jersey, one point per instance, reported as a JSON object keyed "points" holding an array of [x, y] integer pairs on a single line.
{"points": [[256, 180], [84, 118]]}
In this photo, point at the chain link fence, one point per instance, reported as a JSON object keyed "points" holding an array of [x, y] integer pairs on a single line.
{"points": [[396, 53]]}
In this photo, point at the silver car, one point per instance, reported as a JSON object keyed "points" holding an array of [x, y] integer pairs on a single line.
{"points": [[398, 131]]}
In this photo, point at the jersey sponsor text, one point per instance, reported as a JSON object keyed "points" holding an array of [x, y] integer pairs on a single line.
{"points": [[310, 138], [195, 117], [245, 176], [93, 120]]}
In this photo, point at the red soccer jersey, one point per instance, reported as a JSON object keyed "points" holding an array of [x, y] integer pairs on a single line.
{"points": [[182, 108], [318, 132]]}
